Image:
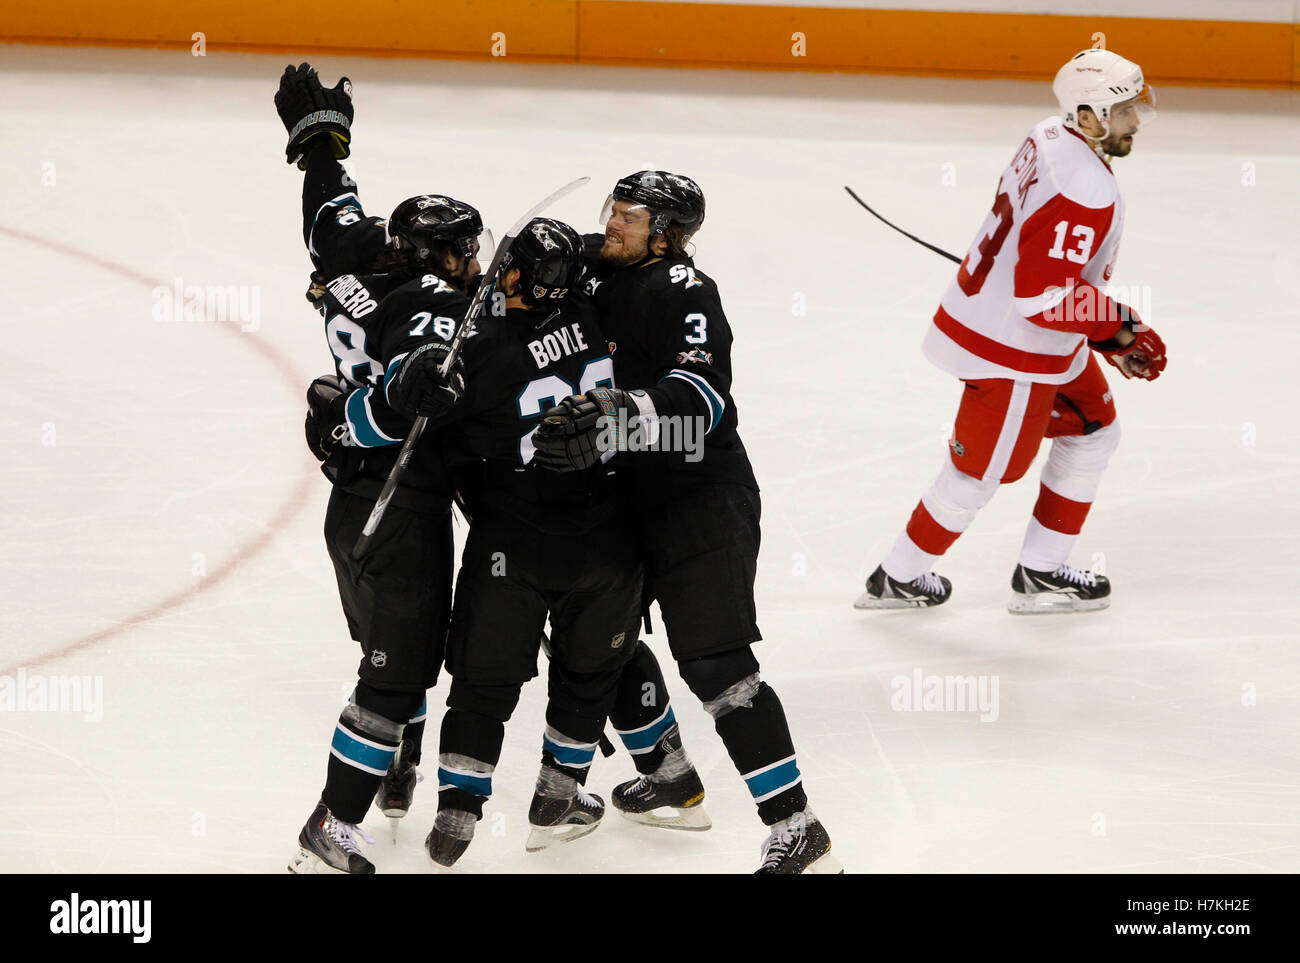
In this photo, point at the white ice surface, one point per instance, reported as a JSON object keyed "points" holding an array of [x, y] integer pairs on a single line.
{"points": [[1124, 740]]}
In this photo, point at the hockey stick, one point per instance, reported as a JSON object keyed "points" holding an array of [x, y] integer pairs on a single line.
{"points": [[462, 332], [936, 250]]}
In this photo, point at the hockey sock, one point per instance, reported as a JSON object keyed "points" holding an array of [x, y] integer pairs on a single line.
{"points": [[751, 723], [569, 743], [362, 750], [945, 511], [642, 713], [1066, 491], [413, 736], [468, 751]]}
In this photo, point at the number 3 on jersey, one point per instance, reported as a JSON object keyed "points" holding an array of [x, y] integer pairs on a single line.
{"points": [[971, 281], [542, 393]]}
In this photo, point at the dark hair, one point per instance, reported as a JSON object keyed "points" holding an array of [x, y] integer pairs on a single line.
{"points": [[675, 235]]}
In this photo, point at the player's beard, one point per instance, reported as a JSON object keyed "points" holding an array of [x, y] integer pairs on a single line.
{"points": [[1116, 146], [620, 253]]}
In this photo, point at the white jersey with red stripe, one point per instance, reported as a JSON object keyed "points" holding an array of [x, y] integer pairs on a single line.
{"points": [[1028, 296]]}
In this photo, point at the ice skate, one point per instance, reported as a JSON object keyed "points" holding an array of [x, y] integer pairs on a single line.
{"points": [[883, 592], [561, 811], [329, 845], [799, 844], [450, 837], [671, 797], [1064, 590]]}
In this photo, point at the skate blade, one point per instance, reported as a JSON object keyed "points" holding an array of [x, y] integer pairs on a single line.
{"points": [[394, 822], [827, 865], [544, 837], [694, 819], [1049, 603], [305, 863], [866, 602]]}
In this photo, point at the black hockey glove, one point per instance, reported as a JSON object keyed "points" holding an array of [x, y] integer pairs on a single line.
{"points": [[309, 110], [575, 433], [566, 438], [418, 387], [326, 425], [316, 288]]}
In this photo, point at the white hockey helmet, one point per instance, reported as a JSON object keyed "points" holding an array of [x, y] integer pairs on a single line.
{"points": [[1099, 79]]}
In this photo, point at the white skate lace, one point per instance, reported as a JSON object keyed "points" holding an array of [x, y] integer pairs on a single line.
{"points": [[929, 582], [1079, 576], [777, 846], [345, 835], [585, 801]]}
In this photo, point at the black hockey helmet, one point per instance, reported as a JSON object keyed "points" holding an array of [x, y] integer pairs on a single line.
{"points": [[419, 225], [670, 199], [548, 255]]}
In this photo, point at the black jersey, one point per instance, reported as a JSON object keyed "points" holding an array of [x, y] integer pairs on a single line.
{"points": [[516, 366], [356, 310], [669, 336], [340, 237], [356, 306]]}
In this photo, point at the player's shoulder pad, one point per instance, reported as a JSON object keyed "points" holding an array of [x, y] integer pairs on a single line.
{"points": [[1068, 166], [676, 275], [428, 292], [681, 282]]}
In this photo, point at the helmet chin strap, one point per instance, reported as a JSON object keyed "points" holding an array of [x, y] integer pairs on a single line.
{"points": [[1093, 142]]}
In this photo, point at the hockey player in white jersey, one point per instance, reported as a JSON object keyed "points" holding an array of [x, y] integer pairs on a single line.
{"points": [[1019, 325]]}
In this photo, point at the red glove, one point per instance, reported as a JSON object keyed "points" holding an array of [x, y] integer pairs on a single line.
{"points": [[1143, 357]]}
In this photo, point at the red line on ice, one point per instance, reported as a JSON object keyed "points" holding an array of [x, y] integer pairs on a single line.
{"points": [[248, 550]]}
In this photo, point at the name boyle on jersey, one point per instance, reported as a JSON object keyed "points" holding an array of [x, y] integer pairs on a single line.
{"points": [[551, 347]]}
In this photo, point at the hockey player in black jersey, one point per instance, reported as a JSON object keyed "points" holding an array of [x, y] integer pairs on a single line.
{"points": [[540, 545], [397, 602], [697, 502]]}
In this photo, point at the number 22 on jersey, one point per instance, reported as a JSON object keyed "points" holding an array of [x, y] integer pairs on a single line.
{"points": [[542, 393]]}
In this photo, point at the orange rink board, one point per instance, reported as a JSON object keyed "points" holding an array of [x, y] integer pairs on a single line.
{"points": [[642, 32]]}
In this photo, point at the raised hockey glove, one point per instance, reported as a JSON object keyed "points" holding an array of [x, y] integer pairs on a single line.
{"points": [[327, 425], [418, 386], [309, 110], [1143, 357]]}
